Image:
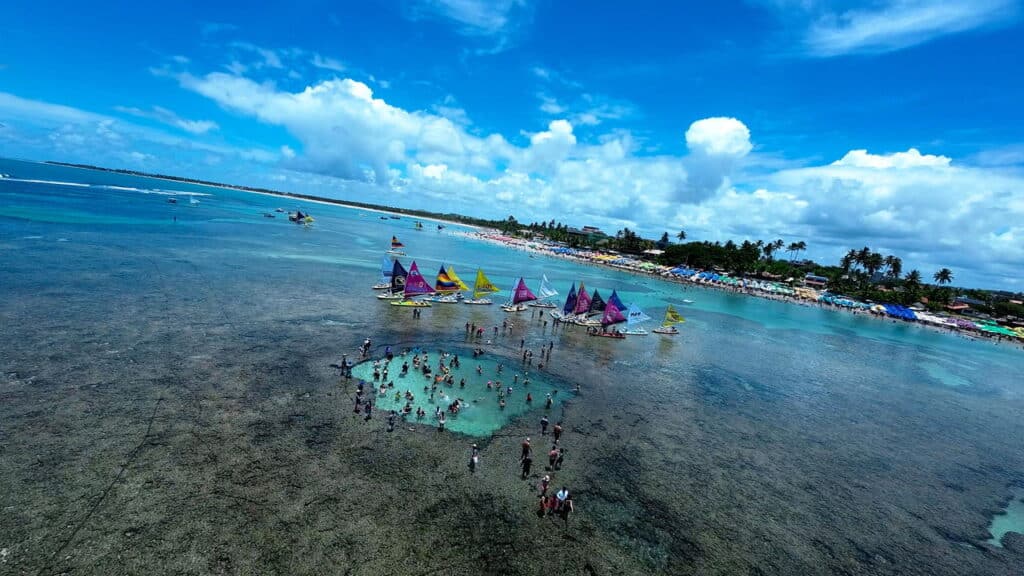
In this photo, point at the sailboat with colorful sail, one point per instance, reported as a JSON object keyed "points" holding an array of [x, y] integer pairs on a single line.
{"points": [[481, 287], [520, 296], [570, 305], [396, 247], [397, 288], [612, 315], [634, 316], [668, 325], [448, 287], [415, 285], [546, 291], [385, 275]]}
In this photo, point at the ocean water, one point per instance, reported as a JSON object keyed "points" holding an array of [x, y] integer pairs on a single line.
{"points": [[166, 379], [481, 413], [1009, 520]]}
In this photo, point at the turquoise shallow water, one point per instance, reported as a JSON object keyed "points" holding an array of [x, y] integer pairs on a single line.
{"points": [[1012, 519], [481, 413], [341, 253]]}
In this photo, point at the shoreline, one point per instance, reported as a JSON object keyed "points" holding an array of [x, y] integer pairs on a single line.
{"points": [[952, 330], [263, 192]]}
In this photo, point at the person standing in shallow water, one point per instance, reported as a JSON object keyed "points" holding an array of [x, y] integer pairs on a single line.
{"points": [[557, 431], [543, 425], [526, 448], [527, 462], [566, 509]]}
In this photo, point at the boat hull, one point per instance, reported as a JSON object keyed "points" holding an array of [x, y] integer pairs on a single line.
{"points": [[636, 332], [396, 252], [478, 302], [447, 299], [390, 296], [542, 305], [385, 286], [411, 303], [514, 308], [612, 335], [666, 331]]}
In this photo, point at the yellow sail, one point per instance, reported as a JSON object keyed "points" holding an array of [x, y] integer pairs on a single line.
{"points": [[456, 279], [483, 286], [672, 317]]}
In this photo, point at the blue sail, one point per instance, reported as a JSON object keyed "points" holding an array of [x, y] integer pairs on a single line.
{"points": [[614, 299], [398, 275], [570, 300], [386, 268], [635, 315]]}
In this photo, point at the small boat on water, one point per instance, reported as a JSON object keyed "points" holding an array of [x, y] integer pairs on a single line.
{"points": [[386, 269], [411, 303], [481, 287], [668, 326], [192, 201], [383, 217], [613, 334], [269, 215], [419, 225], [279, 210], [396, 247], [567, 309], [448, 287], [520, 295], [546, 291], [634, 316], [393, 217], [299, 218], [415, 285], [172, 200], [685, 301], [612, 315], [397, 287]]}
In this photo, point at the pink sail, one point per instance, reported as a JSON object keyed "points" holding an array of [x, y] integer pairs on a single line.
{"points": [[612, 314], [582, 301], [415, 283], [522, 293]]}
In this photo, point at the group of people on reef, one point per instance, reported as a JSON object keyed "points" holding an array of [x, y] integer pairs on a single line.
{"points": [[559, 503], [439, 372]]}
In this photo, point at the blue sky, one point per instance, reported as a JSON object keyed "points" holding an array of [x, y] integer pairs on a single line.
{"points": [[895, 124]]}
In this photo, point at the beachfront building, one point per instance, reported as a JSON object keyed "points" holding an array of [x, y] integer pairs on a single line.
{"points": [[816, 282], [587, 233]]}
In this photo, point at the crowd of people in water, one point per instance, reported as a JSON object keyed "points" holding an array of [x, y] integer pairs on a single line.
{"points": [[438, 373]]}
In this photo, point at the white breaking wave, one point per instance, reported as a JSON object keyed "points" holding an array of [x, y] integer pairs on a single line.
{"points": [[7, 178], [53, 182]]}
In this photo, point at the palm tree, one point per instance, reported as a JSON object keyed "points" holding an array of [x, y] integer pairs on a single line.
{"points": [[913, 279], [848, 260], [801, 246], [943, 276], [682, 235], [872, 263], [792, 249], [894, 266]]}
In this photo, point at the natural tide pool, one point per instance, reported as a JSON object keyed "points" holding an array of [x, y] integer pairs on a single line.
{"points": [[1011, 519], [481, 413]]}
